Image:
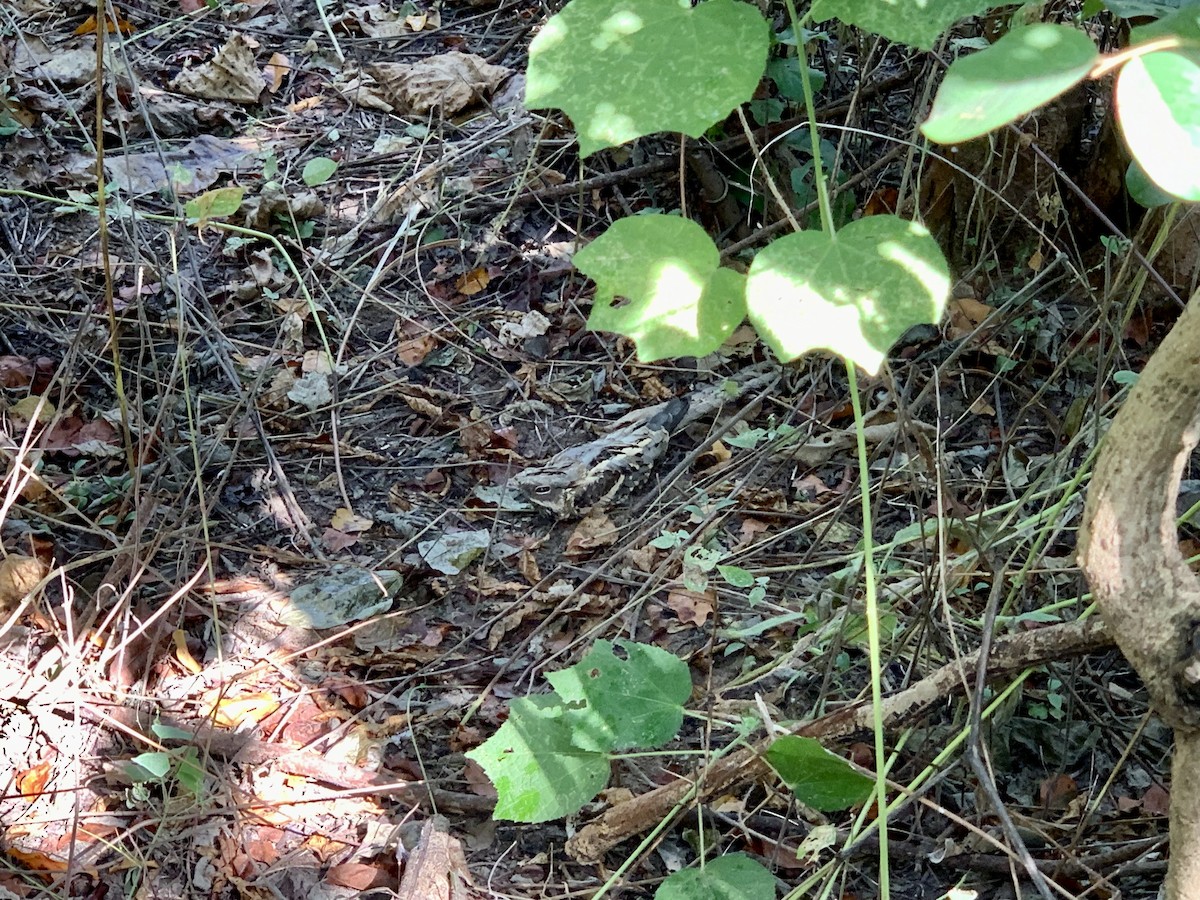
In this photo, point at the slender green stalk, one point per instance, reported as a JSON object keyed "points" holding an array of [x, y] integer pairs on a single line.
{"points": [[873, 634]]}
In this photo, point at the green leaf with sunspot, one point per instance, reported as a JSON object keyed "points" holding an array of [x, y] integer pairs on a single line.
{"points": [[1158, 107], [818, 778], [1026, 68], [612, 64], [675, 298], [853, 294]]}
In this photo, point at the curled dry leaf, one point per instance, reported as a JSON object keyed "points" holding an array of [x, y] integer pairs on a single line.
{"points": [[230, 75], [449, 82]]}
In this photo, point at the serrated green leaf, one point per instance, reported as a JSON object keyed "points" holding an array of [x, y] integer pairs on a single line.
{"points": [[737, 576], [732, 877], [538, 773], [612, 64], [1130, 9], [817, 777], [678, 300], [616, 704], [853, 294], [318, 171], [157, 763], [1158, 107], [915, 22], [1026, 68]]}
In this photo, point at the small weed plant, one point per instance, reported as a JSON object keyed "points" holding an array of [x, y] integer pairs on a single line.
{"points": [[623, 69]]}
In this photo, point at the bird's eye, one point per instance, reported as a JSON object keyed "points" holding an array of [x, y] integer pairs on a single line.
{"points": [[543, 490]]}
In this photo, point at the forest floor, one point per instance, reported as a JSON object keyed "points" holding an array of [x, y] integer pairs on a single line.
{"points": [[264, 585]]}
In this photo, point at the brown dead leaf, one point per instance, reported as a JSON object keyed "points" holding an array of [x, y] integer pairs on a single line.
{"points": [[475, 436], [15, 371], [714, 458], [528, 567], [1139, 327], [32, 781], [231, 712], [691, 607], [505, 624], [19, 575], [278, 67], [644, 558], [376, 21], [1156, 801], [230, 75], [347, 520], [189, 168], [750, 531], [265, 847], [359, 876], [981, 407], [477, 781], [596, 530], [415, 342], [473, 282], [336, 541], [35, 861], [72, 437], [449, 82], [882, 202], [965, 315], [275, 394], [436, 869], [88, 26], [323, 847], [425, 20], [1057, 791]]}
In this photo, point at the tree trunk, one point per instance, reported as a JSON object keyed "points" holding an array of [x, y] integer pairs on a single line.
{"points": [[1130, 553]]}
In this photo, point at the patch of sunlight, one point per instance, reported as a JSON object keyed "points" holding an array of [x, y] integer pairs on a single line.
{"points": [[553, 33], [674, 298], [611, 127], [616, 28], [935, 282]]}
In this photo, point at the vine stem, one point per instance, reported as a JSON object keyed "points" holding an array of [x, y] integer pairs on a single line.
{"points": [[871, 600], [873, 635], [814, 135]]}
